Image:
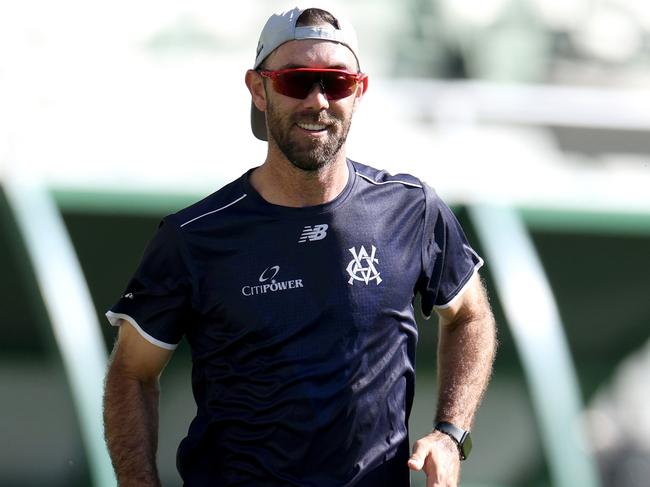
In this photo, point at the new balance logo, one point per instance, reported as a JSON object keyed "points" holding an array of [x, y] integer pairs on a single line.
{"points": [[317, 232]]}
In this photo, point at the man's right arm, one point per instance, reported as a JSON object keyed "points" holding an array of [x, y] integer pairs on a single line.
{"points": [[131, 407]]}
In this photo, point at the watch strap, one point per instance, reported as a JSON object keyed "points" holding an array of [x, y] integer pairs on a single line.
{"points": [[460, 436]]}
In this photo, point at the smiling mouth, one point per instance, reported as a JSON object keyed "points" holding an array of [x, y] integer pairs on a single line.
{"points": [[312, 127]]}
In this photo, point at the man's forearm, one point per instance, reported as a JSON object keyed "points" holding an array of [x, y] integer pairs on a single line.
{"points": [[466, 350], [131, 428]]}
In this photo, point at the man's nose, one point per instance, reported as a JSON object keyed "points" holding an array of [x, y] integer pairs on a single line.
{"points": [[316, 98]]}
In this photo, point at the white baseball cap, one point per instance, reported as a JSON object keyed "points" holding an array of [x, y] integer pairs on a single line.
{"points": [[281, 28]]}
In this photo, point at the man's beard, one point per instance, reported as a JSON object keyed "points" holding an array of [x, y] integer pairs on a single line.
{"points": [[305, 154]]}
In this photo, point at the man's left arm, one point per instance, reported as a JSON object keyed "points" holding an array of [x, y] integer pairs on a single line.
{"points": [[466, 349]]}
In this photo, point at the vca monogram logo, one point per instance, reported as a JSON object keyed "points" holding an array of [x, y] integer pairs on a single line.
{"points": [[362, 266]]}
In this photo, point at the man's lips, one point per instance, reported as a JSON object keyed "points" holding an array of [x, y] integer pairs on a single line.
{"points": [[312, 127]]}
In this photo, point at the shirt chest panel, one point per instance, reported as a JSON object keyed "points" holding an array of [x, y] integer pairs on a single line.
{"points": [[324, 274]]}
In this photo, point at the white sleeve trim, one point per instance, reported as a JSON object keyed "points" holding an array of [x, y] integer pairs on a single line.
{"points": [[115, 318], [465, 286]]}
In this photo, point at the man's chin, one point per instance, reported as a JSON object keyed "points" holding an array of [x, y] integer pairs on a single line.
{"points": [[310, 163], [311, 156]]}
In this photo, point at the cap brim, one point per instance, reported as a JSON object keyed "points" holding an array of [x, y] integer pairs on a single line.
{"points": [[258, 123]]}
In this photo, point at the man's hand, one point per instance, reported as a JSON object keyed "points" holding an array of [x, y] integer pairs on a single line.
{"points": [[438, 456]]}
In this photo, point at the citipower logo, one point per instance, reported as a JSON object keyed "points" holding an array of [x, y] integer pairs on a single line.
{"points": [[273, 286], [274, 272]]}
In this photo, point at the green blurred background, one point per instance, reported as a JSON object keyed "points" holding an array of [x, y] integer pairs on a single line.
{"points": [[124, 113]]}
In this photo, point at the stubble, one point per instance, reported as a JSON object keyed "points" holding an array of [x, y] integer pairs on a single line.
{"points": [[305, 154]]}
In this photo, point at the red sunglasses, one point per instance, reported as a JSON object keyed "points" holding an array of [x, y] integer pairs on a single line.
{"points": [[298, 82]]}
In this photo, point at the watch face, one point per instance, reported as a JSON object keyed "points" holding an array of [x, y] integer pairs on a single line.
{"points": [[460, 436], [466, 446]]}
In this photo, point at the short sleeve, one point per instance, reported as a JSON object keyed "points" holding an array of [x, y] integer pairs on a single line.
{"points": [[448, 260], [157, 300]]}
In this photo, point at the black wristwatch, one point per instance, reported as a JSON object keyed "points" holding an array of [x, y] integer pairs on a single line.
{"points": [[460, 436]]}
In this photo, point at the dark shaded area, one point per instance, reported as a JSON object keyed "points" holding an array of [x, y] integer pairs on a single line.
{"points": [[601, 285], [25, 327], [109, 248]]}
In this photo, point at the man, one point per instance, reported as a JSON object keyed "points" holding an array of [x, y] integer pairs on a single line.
{"points": [[294, 286]]}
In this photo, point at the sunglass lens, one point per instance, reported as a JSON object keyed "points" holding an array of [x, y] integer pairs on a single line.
{"points": [[298, 84], [338, 85]]}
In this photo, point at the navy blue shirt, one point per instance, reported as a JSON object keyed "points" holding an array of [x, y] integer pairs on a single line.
{"points": [[301, 326]]}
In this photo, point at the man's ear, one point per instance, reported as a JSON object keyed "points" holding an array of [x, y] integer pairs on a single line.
{"points": [[255, 84]]}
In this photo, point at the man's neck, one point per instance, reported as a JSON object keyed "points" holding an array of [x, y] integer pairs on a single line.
{"points": [[281, 183]]}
